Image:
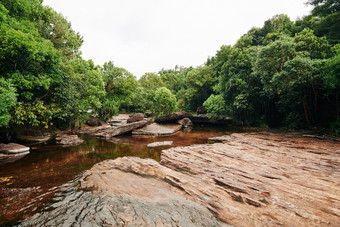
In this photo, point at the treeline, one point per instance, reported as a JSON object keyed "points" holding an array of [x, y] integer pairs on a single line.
{"points": [[283, 74]]}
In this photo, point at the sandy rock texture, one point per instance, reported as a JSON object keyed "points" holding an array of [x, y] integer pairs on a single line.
{"points": [[248, 180]]}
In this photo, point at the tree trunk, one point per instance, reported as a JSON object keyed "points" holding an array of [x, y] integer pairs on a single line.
{"points": [[306, 112]]}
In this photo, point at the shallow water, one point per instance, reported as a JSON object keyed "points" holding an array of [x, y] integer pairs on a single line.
{"points": [[36, 178]]}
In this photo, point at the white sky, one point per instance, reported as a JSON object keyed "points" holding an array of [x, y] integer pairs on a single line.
{"points": [[148, 35]]}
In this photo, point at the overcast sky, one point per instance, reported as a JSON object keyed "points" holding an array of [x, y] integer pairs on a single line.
{"points": [[148, 35]]}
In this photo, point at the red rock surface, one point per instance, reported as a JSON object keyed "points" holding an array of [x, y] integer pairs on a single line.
{"points": [[248, 180]]}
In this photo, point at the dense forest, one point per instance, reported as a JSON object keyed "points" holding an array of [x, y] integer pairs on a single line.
{"points": [[284, 74]]}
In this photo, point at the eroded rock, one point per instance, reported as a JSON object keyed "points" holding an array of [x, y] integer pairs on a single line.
{"points": [[248, 180], [125, 200]]}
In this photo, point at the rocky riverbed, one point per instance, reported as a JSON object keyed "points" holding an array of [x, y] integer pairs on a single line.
{"points": [[247, 180]]}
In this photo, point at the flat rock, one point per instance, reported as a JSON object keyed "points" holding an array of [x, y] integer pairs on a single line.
{"points": [[68, 140], [13, 148], [155, 129], [249, 180], [172, 118], [159, 144], [122, 129]]}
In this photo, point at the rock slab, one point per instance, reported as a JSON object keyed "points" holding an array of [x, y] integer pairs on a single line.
{"points": [[155, 129], [248, 180], [159, 144], [122, 129]]}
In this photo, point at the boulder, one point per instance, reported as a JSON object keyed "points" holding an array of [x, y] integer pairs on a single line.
{"points": [[93, 122], [135, 117], [160, 144], [173, 117], [68, 140], [185, 122], [158, 130], [122, 129]]}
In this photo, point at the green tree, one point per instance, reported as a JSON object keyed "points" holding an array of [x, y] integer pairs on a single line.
{"points": [[120, 85], [200, 82], [164, 101], [7, 99]]}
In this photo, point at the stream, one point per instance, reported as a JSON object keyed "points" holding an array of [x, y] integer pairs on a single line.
{"points": [[35, 180]]}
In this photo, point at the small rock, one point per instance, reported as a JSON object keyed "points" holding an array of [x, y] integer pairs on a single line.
{"points": [[68, 140], [135, 117], [13, 148], [185, 122], [159, 144]]}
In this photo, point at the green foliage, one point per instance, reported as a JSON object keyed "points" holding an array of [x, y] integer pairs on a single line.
{"points": [[82, 88], [199, 82], [8, 99], [164, 101], [324, 7], [215, 106], [332, 75], [119, 85], [109, 108], [33, 114]]}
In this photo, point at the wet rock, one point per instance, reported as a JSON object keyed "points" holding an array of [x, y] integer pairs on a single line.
{"points": [[135, 117], [185, 122], [13, 148], [159, 144], [110, 205], [68, 140], [93, 122], [155, 129], [248, 180], [172, 118], [12, 152], [122, 129]]}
